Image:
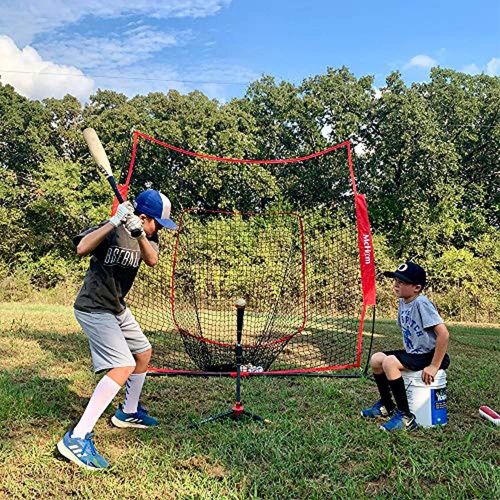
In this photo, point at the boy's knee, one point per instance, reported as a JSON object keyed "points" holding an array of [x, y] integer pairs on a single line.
{"points": [[146, 355], [390, 362], [377, 359], [142, 360], [121, 373], [130, 369]]}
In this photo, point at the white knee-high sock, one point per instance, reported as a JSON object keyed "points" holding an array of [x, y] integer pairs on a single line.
{"points": [[133, 392], [103, 394]]}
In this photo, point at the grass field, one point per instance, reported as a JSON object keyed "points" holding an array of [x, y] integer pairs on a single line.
{"points": [[316, 447]]}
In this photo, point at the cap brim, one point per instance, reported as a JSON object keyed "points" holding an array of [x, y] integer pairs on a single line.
{"points": [[390, 274], [168, 223]]}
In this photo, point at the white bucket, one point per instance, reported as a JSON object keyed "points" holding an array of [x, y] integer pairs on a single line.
{"points": [[427, 402]]}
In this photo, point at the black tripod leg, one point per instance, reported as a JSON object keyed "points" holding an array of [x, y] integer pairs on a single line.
{"points": [[212, 418], [230, 414], [258, 418]]}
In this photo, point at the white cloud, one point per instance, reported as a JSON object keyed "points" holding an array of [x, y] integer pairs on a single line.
{"points": [[421, 61], [36, 78], [493, 66], [22, 19], [471, 69], [214, 91], [69, 39], [216, 81], [110, 52]]}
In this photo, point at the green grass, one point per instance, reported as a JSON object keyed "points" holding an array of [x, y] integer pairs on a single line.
{"points": [[316, 447]]}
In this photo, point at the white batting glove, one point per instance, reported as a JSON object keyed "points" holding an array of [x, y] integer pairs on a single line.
{"points": [[124, 209], [134, 226]]}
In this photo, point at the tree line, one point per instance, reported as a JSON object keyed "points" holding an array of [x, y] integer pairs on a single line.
{"points": [[426, 156]]}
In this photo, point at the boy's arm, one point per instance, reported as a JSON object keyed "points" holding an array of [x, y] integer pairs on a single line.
{"points": [[92, 240], [148, 253], [442, 336]]}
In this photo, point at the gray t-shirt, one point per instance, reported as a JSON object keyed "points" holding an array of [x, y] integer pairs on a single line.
{"points": [[417, 320], [111, 273]]}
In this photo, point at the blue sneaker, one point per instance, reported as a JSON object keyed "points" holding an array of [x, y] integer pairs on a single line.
{"points": [[81, 451], [139, 419], [377, 410], [400, 421]]}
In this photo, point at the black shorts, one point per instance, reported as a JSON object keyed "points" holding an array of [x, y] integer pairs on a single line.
{"points": [[417, 362]]}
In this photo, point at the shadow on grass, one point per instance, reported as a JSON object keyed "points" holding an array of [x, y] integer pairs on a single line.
{"points": [[35, 342], [31, 404], [27, 396], [64, 347]]}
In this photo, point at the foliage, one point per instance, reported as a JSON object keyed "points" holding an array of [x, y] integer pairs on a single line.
{"points": [[426, 156]]}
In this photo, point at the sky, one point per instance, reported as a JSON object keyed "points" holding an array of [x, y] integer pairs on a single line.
{"points": [[49, 48]]}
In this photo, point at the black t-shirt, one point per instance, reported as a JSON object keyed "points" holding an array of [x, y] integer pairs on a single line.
{"points": [[111, 273]]}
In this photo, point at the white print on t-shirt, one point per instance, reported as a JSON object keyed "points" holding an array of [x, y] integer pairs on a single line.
{"points": [[417, 320], [409, 326], [122, 257]]}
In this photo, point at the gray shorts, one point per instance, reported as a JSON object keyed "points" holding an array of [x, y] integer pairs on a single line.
{"points": [[113, 339]]}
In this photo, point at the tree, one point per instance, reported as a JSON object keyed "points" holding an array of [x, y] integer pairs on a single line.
{"points": [[427, 158], [24, 132], [410, 164], [468, 110]]}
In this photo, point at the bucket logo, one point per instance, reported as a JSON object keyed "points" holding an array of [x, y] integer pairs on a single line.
{"points": [[440, 398], [367, 248], [403, 267], [439, 412]]}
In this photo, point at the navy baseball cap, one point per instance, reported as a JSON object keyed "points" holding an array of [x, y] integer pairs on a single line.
{"points": [[409, 272], [156, 205]]}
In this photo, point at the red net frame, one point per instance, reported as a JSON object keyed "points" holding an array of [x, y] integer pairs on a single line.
{"points": [[365, 259]]}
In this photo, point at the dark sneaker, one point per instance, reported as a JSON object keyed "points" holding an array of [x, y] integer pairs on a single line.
{"points": [[400, 421], [377, 410], [81, 451], [140, 419]]}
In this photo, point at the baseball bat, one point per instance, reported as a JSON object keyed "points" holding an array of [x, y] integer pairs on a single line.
{"points": [[101, 159]]}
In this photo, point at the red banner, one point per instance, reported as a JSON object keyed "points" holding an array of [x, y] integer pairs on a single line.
{"points": [[366, 255]]}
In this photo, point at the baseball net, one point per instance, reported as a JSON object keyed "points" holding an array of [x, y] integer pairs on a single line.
{"points": [[306, 270]]}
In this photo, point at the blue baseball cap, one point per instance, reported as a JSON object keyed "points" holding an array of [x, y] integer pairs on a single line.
{"points": [[155, 205], [409, 272]]}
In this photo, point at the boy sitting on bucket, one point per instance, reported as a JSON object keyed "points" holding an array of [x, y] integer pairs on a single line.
{"points": [[425, 338]]}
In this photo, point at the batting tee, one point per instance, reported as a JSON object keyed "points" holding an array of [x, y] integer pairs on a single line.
{"points": [[307, 272]]}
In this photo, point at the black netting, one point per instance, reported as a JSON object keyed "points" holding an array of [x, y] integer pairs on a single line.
{"points": [[220, 257], [297, 269]]}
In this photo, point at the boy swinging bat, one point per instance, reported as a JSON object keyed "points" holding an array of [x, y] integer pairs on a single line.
{"points": [[118, 346]]}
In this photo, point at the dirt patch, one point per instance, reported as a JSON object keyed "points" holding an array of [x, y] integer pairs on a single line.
{"points": [[203, 464]]}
